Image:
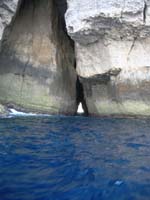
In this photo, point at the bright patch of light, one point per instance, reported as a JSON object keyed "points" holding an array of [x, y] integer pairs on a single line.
{"points": [[118, 183], [14, 112], [18, 113], [80, 109]]}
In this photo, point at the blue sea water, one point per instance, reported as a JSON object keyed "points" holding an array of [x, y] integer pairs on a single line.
{"points": [[74, 158]]}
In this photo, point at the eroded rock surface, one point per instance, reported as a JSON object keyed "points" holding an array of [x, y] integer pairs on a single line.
{"points": [[3, 111], [8, 10], [37, 61], [88, 21], [113, 54]]}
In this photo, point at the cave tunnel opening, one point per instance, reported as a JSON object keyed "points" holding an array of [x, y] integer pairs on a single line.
{"points": [[80, 99], [81, 107]]}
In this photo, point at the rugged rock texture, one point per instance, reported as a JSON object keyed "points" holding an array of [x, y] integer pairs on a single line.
{"points": [[113, 54], [3, 111], [112, 47], [37, 59], [8, 10], [88, 21]]}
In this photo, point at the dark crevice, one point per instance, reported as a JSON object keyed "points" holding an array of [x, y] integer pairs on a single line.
{"points": [[80, 97], [144, 12], [61, 6]]}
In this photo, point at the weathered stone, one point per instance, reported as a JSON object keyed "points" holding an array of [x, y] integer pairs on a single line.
{"points": [[37, 61], [88, 21], [113, 54], [3, 111], [8, 10]]}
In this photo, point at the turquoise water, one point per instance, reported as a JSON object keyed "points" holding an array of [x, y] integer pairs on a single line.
{"points": [[74, 158]]}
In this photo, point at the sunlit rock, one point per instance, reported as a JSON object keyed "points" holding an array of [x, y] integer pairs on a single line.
{"points": [[112, 54]]}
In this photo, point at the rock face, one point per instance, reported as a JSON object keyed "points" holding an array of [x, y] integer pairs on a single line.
{"points": [[112, 40], [37, 59], [112, 53], [8, 10], [3, 111]]}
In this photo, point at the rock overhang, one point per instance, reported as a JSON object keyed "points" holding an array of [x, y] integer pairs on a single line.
{"points": [[123, 19]]}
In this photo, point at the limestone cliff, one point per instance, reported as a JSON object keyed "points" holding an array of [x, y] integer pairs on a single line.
{"points": [[112, 53], [110, 49], [37, 59]]}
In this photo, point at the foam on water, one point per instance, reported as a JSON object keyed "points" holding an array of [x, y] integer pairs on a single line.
{"points": [[18, 113], [14, 112]]}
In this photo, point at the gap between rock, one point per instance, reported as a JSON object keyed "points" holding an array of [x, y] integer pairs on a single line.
{"points": [[80, 99]]}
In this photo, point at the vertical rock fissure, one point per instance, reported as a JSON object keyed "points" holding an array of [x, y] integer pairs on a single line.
{"points": [[80, 97], [61, 7], [144, 11]]}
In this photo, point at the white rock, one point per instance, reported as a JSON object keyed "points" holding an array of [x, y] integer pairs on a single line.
{"points": [[87, 20]]}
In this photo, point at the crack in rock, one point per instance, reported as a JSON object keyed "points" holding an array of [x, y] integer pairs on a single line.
{"points": [[131, 48], [144, 11]]}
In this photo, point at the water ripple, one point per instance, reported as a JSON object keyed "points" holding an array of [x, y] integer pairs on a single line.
{"points": [[74, 158]]}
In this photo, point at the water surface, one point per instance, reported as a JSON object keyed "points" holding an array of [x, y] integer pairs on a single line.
{"points": [[74, 158]]}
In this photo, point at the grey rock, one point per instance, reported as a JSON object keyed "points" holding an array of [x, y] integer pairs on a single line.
{"points": [[112, 36], [87, 21], [3, 111], [8, 10], [37, 61]]}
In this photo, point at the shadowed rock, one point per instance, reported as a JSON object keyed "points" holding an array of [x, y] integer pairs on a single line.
{"points": [[37, 61]]}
